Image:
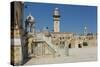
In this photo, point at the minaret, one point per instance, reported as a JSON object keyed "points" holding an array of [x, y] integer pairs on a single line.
{"points": [[30, 24], [56, 19], [85, 30]]}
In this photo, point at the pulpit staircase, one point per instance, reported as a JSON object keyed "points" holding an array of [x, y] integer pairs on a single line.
{"points": [[51, 47]]}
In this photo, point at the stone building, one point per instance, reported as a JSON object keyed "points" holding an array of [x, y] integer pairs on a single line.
{"points": [[59, 38]]}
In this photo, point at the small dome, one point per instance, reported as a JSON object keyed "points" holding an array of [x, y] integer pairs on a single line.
{"points": [[46, 32], [30, 19]]}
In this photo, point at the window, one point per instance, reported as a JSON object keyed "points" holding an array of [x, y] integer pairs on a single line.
{"points": [[63, 42], [85, 44], [56, 43], [54, 37], [68, 37], [60, 38]]}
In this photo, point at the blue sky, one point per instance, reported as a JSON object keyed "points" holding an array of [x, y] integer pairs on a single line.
{"points": [[73, 17]]}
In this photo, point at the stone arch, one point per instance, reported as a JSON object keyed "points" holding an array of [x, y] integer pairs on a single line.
{"points": [[79, 45], [69, 46], [85, 43]]}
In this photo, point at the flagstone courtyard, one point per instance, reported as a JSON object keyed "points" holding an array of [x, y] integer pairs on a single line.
{"points": [[75, 55]]}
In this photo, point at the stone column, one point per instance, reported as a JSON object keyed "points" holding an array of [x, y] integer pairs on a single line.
{"points": [[16, 33], [16, 49], [66, 49]]}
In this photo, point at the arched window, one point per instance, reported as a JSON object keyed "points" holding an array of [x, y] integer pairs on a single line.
{"points": [[85, 44], [79, 46], [69, 46]]}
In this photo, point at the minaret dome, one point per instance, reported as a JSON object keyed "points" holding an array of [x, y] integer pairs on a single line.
{"points": [[56, 12], [30, 19]]}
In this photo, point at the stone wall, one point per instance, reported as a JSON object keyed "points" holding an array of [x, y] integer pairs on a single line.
{"points": [[16, 55]]}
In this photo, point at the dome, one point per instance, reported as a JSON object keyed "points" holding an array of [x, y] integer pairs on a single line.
{"points": [[30, 19], [56, 12], [47, 34]]}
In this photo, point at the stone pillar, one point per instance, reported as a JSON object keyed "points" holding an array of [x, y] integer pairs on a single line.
{"points": [[43, 49], [66, 49], [16, 33], [16, 54], [30, 46]]}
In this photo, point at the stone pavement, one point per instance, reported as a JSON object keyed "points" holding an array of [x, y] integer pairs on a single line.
{"points": [[75, 55]]}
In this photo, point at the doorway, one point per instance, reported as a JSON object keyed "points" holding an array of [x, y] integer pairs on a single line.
{"points": [[79, 46], [69, 46]]}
